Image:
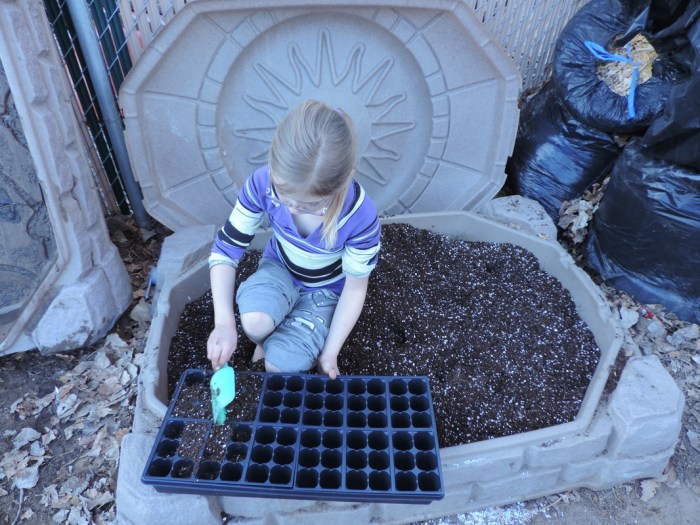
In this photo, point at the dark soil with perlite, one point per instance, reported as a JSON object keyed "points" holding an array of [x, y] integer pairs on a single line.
{"points": [[194, 400], [499, 338]]}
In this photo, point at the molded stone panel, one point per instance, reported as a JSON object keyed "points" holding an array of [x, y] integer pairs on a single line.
{"points": [[432, 96], [62, 280], [651, 426], [27, 247]]}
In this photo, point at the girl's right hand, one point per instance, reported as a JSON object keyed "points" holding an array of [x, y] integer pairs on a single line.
{"points": [[221, 344]]}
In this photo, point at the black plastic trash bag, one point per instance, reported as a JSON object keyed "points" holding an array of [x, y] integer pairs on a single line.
{"points": [[675, 135], [663, 21], [557, 157], [645, 237], [589, 98]]}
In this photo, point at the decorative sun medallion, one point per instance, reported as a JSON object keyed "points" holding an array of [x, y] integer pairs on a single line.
{"points": [[384, 94]]}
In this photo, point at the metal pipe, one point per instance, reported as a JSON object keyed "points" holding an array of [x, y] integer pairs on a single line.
{"points": [[82, 20]]}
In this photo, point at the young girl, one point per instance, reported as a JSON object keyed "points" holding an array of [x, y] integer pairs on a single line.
{"points": [[310, 285]]}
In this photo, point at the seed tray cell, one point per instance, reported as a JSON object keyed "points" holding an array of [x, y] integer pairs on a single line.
{"points": [[301, 436]]}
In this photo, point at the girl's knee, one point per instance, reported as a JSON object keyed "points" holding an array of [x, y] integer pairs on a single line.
{"points": [[257, 325], [289, 355], [269, 367]]}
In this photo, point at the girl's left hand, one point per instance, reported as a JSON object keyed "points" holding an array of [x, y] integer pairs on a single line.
{"points": [[328, 364]]}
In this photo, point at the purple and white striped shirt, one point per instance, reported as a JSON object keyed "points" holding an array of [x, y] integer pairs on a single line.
{"points": [[310, 263]]}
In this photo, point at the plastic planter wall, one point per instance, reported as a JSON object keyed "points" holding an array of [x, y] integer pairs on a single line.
{"points": [[607, 443]]}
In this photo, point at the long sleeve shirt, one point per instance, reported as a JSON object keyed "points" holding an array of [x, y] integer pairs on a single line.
{"points": [[309, 262]]}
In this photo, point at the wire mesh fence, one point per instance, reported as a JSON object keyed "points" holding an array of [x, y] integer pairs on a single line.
{"points": [[527, 30], [85, 101]]}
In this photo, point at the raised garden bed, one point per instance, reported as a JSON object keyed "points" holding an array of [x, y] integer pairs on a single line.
{"points": [[600, 447], [500, 339]]}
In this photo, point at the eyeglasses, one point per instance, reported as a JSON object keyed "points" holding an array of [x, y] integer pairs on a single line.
{"points": [[319, 208]]}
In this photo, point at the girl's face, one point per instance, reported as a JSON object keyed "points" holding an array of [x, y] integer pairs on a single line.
{"points": [[299, 202]]}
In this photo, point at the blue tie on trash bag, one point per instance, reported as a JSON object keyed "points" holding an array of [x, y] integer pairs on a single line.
{"points": [[601, 53]]}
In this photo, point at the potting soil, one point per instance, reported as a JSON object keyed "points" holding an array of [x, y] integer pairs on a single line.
{"points": [[498, 338]]}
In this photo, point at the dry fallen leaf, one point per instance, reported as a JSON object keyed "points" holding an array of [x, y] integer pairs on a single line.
{"points": [[575, 215], [694, 439], [67, 406], [110, 389], [114, 341], [28, 477], [101, 361], [26, 435], [569, 497], [671, 478], [649, 488], [141, 312], [120, 435], [13, 462], [37, 449]]}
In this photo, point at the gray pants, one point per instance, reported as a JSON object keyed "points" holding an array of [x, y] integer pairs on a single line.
{"points": [[302, 318]]}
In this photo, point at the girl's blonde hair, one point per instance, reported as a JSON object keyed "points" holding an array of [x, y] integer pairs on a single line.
{"points": [[313, 151]]}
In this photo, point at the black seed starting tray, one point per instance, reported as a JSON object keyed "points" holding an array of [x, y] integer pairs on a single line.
{"points": [[347, 439]]}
